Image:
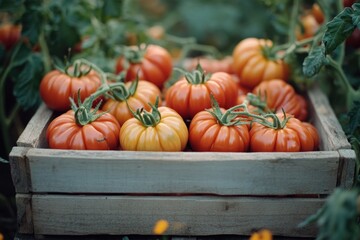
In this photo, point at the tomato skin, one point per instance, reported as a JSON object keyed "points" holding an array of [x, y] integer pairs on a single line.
{"points": [[252, 66], [170, 134], [281, 95], [294, 137], [155, 66], [207, 134], [9, 35], [101, 134], [146, 92], [210, 65], [188, 99], [309, 26], [56, 87], [317, 13]]}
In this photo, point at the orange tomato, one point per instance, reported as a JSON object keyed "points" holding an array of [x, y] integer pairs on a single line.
{"points": [[252, 65]]}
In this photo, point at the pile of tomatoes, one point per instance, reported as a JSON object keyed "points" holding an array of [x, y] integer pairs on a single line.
{"points": [[239, 104]]}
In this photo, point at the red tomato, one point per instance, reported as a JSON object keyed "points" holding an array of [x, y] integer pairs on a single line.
{"points": [[101, 134], [9, 35], [208, 133], [154, 64], [293, 136], [191, 94], [281, 95], [354, 39], [253, 64], [317, 13], [56, 87]]}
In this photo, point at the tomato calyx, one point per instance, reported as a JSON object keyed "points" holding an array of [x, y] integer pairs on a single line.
{"points": [[134, 55], [147, 119], [83, 112], [121, 93], [197, 76], [230, 117], [276, 123], [259, 101]]}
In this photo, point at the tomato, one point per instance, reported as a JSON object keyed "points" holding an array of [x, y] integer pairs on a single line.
{"points": [[191, 94], [208, 133], [317, 13], [9, 35], [56, 87], [281, 95], [162, 129], [153, 64], [64, 132], [253, 63], [136, 97], [308, 27], [290, 135], [210, 65]]}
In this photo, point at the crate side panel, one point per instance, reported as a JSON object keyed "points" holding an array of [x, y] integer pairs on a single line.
{"points": [[332, 137], [19, 167], [24, 213], [117, 215], [184, 172], [34, 132], [347, 165]]}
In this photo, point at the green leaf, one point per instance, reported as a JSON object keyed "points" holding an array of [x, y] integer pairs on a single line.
{"points": [[356, 15], [21, 54], [27, 80], [32, 21], [314, 61], [112, 8], [338, 29], [10, 6]]}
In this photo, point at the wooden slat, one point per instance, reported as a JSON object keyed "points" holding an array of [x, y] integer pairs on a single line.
{"points": [[347, 164], [331, 134], [122, 215], [185, 172], [34, 133], [20, 170], [24, 213]]}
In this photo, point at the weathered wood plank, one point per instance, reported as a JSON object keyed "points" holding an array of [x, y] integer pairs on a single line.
{"points": [[347, 164], [34, 133], [184, 172], [122, 215], [24, 213], [19, 169], [332, 137]]}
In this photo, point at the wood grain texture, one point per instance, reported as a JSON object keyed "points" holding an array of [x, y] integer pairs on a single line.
{"points": [[347, 164], [118, 215], [34, 133], [185, 172], [24, 213], [332, 137], [20, 170]]}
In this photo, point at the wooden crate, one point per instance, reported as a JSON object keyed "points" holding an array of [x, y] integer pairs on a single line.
{"points": [[62, 192]]}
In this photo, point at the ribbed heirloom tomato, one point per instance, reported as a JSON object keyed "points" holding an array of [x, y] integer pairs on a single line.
{"points": [[281, 95], [218, 130], [161, 129], [191, 94], [283, 134], [83, 129], [56, 86], [135, 94], [152, 63], [254, 62]]}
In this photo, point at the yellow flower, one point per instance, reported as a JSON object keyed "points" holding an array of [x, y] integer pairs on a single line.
{"points": [[263, 234], [160, 227]]}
